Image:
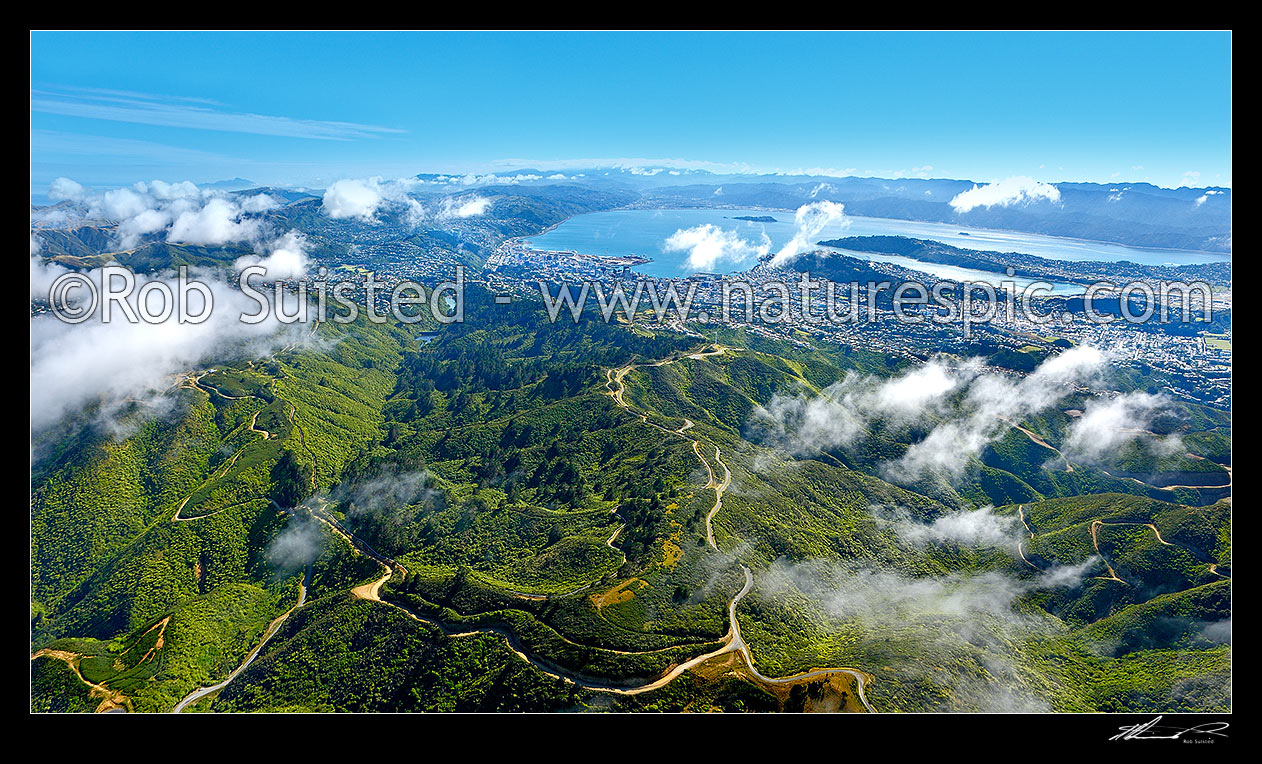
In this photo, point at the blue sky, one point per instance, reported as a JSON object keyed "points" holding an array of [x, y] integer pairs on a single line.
{"points": [[308, 108]]}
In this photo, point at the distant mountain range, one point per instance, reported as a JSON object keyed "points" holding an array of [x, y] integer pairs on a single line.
{"points": [[235, 184]]}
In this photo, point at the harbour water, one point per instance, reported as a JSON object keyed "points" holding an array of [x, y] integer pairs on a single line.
{"points": [[645, 231]]}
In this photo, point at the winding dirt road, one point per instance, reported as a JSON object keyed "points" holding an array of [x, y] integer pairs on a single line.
{"points": [[1137, 481], [1095, 542], [271, 629], [1038, 441], [1021, 542], [732, 641], [1095, 524], [111, 700]]}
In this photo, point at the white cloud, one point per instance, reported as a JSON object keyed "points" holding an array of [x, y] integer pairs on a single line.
{"points": [[839, 415], [811, 219], [65, 189], [192, 215], [805, 425], [287, 259], [977, 408], [299, 543], [945, 450], [74, 365], [357, 199], [708, 246], [219, 222], [915, 172], [1005, 193], [42, 273], [465, 207], [991, 403], [352, 198], [876, 597], [1205, 197], [147, 221], [259, 203], [975, 528], [1107, 424], [626, 163], [907, 396], [120, 204], [166, 192], [976, 615], [474, 179], [199, 114]]}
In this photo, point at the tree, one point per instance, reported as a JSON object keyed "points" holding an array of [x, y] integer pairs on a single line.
{"points": [[291, 481]]}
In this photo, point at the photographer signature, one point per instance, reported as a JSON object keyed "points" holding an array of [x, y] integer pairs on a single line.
{"points": [[1150, 731]]}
